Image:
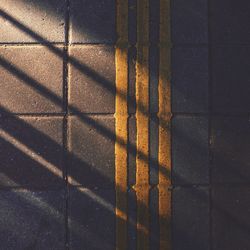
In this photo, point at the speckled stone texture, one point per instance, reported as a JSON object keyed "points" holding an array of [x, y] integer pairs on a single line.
{"points": [[31, 80]]}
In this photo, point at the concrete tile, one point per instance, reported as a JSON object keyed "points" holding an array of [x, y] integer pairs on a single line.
{"points": [[30, 78], [92, 88], [93, 21], [190, 219], [230, 74], [92, 219], [32, 152], [230, 149], [189, 21], [32, 220], [190, 157], [230, 218], [228, 21], [30, 20], [92, 164], [190, 80]]}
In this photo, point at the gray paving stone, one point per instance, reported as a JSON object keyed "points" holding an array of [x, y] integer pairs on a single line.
{"points": [[230, 218], [22, 86], [190, 150], [92, 21], [94, 152], [230, 79], [189, 21], [190, 219], [30, 20], [92, 90], [92, 219], [190, 80], [31, 152], [230, 149], [32, 220], [228, 21]]}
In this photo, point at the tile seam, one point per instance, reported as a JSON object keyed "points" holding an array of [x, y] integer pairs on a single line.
{"points": [[65, 119]]}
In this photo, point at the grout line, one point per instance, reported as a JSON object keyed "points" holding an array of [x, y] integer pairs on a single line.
{"points": [[27, 44], [129, 187], [94, 114], [34, 115], [213, 114], [171, 45], [65, 119], [34, 44], [131, 114], [31, 188], [210, 112]]}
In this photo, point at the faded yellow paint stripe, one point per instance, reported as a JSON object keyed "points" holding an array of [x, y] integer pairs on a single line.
{"points": [[164, 116], [121, 123], [142, 186], [142, 116]]}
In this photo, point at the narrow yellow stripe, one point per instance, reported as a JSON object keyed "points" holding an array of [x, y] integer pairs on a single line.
{"points": [[121, 121], [142, 186], [142, 116], [164, 127]]}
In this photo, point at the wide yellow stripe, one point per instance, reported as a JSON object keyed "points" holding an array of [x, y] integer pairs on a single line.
{"points": [[142, 186], [142, 116], [121, 123], [164, 116]]}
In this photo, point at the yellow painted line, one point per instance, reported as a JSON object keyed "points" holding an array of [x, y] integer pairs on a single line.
{"points": [[121, 123], [164, 116], [142, 116], [142, 186]]}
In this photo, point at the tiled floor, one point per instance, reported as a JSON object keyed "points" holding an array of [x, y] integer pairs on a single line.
{"points": [[58, 111]]}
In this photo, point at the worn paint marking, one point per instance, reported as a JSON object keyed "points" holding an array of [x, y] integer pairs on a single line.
{"points": [[121, 123], [142, 186]]}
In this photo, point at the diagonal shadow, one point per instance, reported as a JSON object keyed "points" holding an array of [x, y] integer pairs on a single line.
{"points": [[84, 118], [17, 131], [94, 75], [76, 63]]}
